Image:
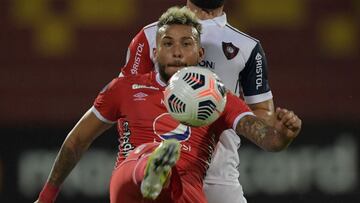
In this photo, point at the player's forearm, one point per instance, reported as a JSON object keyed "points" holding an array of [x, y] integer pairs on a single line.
{"points": [[262, 134], [66, 160], [77, 142]]}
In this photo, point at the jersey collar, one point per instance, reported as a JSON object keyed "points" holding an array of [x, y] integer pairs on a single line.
{"points": [[220, 21]]}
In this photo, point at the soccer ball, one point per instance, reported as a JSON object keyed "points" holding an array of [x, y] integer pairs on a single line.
{"points": [[195, 96]]}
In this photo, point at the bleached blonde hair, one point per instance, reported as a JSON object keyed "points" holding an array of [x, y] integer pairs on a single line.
{"points": [[180, 16]]}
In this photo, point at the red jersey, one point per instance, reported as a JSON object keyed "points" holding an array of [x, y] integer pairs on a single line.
{"points": [[139, 56], [136, 103]]}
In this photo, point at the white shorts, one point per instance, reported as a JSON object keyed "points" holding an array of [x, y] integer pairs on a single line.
{"points": [[216, 193]]}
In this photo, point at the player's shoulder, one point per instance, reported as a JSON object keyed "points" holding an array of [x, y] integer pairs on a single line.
{"points": [[240, 39], [115, 84], [149, 33], [150, 28], [138, 78], [236, 33]]}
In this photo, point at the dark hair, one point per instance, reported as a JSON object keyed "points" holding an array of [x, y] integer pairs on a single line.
{"points": [[208, 4]]}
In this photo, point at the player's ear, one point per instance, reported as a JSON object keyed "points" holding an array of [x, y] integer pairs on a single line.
{"points": [[201, 54], [155, 53]]}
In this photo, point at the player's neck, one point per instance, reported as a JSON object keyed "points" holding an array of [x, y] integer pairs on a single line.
{"points": [[160, 78], [204, 14]]}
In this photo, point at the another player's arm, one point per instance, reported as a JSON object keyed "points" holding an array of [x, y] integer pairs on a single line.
{"points": [[264, 110], [76, 143], [274, 137], [254, 82]]}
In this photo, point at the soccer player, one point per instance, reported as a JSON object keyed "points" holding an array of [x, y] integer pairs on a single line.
{"points": [[240, 62], [159, 158]]}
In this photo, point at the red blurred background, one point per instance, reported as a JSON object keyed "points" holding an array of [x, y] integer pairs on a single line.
{"points": [[56, 55]]}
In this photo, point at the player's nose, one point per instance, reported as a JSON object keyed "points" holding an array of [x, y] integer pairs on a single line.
{"points": [[177, 51]]}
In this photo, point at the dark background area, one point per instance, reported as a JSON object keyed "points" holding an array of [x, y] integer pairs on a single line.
{"points": [[55, 56]]}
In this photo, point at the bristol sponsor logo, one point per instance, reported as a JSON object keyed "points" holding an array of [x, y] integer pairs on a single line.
{"points": [[166, 127], [259, 71], [137, 59]]}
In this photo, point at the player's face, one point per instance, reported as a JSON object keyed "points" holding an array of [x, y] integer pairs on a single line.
{"points": [[177, 47]]}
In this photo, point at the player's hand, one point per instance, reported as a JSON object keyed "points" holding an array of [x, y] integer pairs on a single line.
{"points": [[287, 122]]}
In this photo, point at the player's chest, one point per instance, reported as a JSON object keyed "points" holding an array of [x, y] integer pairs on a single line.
{"points": [[143, 104]]}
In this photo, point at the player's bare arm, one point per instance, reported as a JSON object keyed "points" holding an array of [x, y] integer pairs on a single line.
{"points": [[76, 143], [274, 137], [264, 110]]}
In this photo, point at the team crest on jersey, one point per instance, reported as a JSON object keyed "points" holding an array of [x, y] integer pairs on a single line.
{"points": [[230, 50], [166, 127]]}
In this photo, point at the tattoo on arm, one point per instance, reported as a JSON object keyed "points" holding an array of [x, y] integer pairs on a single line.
{"points": [[65, 162], [255, 129]]}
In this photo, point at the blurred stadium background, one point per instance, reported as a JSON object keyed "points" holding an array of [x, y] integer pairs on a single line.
{"points": [[55, 56]]}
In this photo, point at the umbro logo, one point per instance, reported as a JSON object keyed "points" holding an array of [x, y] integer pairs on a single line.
{"points": [[140, 96]]}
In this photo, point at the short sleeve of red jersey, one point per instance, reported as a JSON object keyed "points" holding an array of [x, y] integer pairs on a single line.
{"points": [[106, 104], [138, 59], [235, 109]]}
